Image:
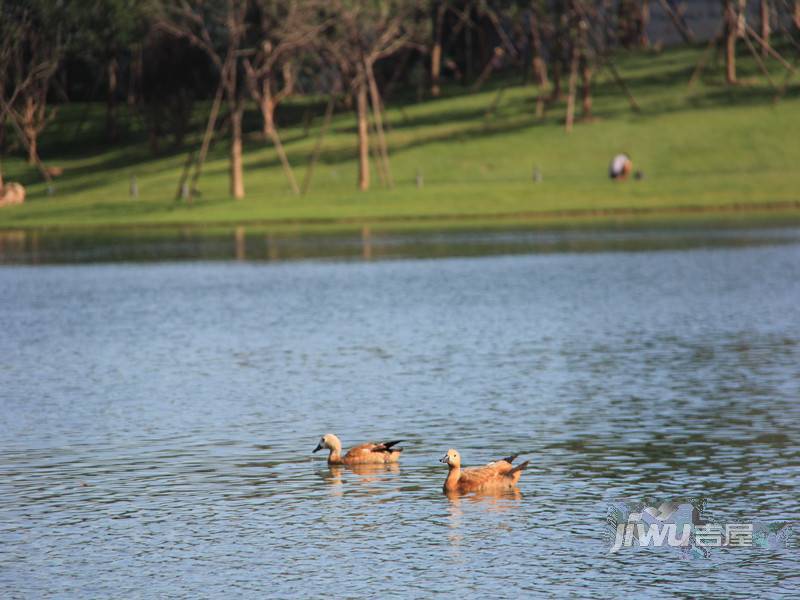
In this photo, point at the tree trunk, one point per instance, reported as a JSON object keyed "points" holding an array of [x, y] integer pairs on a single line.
{"points": [[537, 62], [586, 69], [237, 175], [555, 93], [731, 29], [436, 68], [363, 136], [152, 139], [267, 109], [586, 88], [558, 60], [135, 79], [468, 49], [797, 14], [29, 127], [3, 134], [765, 27], [630, 15], [741, 20], [644, 21], [436, 52], [573, 82], [111, 100], [267, 102]]}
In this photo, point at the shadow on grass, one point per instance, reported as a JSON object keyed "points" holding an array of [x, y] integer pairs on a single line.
{"points": [[664, 75]]}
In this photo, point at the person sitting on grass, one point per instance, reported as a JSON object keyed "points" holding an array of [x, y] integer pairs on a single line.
{"points": [[620, 167]]}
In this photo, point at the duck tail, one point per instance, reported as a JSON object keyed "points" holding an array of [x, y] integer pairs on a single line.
{"points": [[519, 467], [510, 459]]}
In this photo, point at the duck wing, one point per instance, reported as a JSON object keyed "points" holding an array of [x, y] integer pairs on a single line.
{"points": [[504, 465], [477, 477], [500, 472], [365, 451]]}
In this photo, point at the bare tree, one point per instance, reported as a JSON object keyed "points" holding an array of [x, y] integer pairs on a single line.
{"points": [[284, 28], [219, 29], [365, 32], [33, 45]]}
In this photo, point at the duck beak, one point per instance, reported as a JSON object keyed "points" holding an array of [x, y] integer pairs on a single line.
{"points": [[443, 459], [318, 448]]}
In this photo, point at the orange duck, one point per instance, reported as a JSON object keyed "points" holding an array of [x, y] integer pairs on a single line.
{"points": [[363, 454], [497, 475]]}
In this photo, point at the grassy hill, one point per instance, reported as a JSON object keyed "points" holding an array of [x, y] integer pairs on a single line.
{"points": [[712, 153]]}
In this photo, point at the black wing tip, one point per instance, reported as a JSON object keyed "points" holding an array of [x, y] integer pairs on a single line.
{"points": [[510, 459], [387, 446]]}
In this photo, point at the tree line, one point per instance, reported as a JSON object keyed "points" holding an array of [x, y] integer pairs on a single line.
{"points": [[159, 58]]}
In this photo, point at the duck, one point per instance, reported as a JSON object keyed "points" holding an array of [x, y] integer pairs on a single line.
{"points": [[495, 476], [369, 453]]}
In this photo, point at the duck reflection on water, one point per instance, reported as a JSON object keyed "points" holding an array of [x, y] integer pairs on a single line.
{"points": [[366, 474]]}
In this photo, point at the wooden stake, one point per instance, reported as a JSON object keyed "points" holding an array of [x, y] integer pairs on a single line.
{"points": [[318, 146], [495, 103], [287, 168], [685, 32], [209, 132], [377, 115], [769, 50], [621, 82], [363, 135], [784, 86], [712, 43], [487, 70], [607, 62], [377, 156], [760, 62], [182, 191]]}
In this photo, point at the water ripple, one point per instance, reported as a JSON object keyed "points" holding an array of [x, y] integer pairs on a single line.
{"points": [[157, 422]]}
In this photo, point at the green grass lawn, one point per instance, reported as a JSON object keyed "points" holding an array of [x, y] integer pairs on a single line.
{"points": [[710, 154]]}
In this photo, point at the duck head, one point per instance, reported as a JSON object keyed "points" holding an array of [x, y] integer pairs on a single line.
{"points": [[329, 441], [452, 458]]}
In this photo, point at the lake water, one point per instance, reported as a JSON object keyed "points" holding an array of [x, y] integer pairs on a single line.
{"points": [[158, 419]]}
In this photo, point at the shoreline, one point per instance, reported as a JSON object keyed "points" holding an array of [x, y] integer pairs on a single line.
{"points": [[743, 214]]}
